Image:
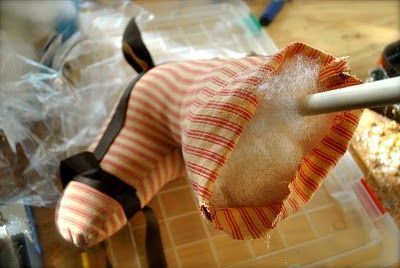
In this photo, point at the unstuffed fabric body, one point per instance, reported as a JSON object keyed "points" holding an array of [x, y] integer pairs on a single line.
{"points": [[188, 117]]}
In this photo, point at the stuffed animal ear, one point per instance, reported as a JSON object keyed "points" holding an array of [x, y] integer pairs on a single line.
{"points": [[134, 50], [86, 216]]}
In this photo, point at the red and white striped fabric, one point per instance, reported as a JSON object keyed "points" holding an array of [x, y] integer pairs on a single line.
{"points": [[86, 216], [188, 116]]}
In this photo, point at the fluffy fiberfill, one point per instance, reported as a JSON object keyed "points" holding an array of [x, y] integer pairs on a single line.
{"points": [[274, 142]]}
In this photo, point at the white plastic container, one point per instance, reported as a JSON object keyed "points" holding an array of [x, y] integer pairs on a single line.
{"points": [[344, 225]]}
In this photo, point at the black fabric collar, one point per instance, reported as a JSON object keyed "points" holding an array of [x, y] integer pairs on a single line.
{"points": [[85, 168]]}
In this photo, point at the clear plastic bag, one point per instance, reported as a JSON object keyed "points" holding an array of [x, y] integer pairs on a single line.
{"points": [[29, 123], [46, 115], [97, 57]]}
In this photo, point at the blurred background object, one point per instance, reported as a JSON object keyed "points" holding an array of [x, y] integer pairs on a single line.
{"points": [[271, 11], [388, 66], [29, 24], [390, 59], [377, 140]]}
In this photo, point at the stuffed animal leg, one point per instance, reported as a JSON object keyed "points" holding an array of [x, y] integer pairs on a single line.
{"points": [[205, 118]]}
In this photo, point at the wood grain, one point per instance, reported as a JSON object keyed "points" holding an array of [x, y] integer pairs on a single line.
{"points": [[359, 29]]}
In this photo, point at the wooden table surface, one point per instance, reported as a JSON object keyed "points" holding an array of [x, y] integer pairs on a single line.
{"points": [[359, 29]]}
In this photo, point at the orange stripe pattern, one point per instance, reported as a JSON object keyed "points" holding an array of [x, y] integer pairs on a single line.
{"points": [[187, 117]]}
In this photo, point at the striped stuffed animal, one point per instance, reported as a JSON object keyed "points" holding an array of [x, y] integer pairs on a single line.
{"points": [[199, 118]]}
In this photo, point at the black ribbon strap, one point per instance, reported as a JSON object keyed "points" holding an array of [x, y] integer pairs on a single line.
{"points": [[76, 165], [117, 121], [154, 247], [85, 168]]}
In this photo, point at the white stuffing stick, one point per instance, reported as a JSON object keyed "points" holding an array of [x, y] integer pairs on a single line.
{"points": [[367, 95]]}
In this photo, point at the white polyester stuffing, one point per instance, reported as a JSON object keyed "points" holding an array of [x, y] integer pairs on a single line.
{"points": [[272, 145]]}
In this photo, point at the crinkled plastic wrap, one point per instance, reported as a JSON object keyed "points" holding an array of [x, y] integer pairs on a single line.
{"points": [[42, 119], [47, 114], [98, 58], [30, 123]]}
